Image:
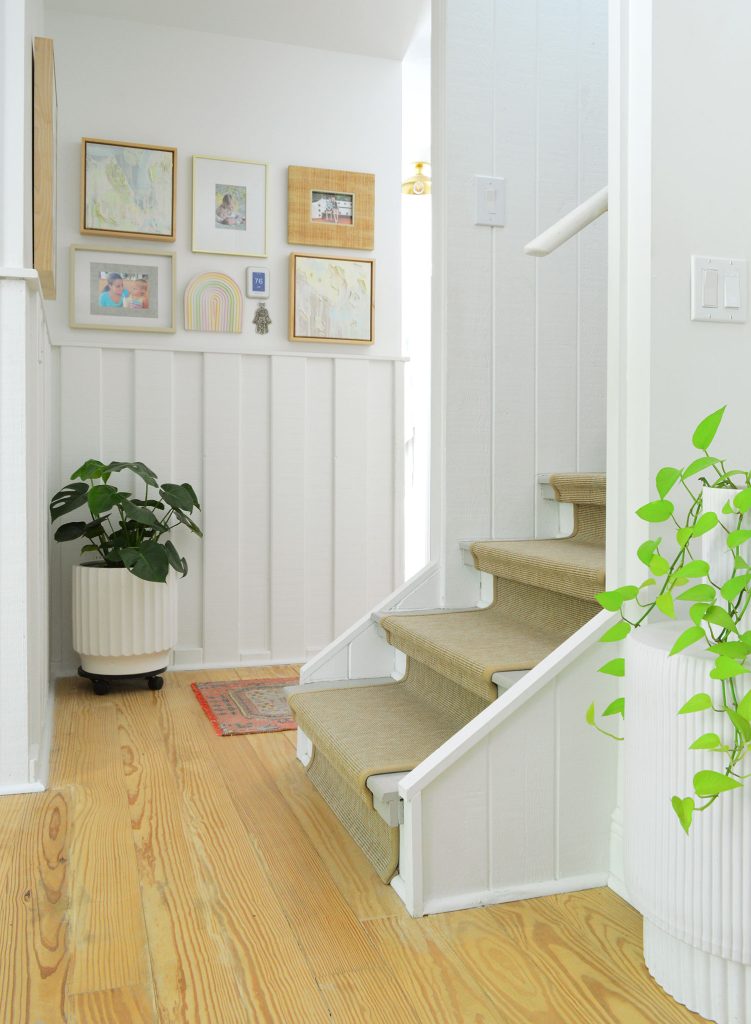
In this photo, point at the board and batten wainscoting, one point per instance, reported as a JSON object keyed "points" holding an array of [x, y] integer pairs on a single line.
{"points": [[297, 459]]}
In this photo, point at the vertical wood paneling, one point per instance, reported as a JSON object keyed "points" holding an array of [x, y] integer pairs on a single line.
{"points": [[153, 399], [350, 491], [558, 192], [380, 484], [221, 509], [288, 449], [118, 385], [255, 507], [319, 504], [187, 465], [515, 396]]}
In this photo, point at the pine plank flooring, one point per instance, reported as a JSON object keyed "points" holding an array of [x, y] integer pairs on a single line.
{"points": [[171, 875]]}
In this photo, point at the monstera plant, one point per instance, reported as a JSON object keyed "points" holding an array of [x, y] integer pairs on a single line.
{"points": [[124, 530], [702, 564]]}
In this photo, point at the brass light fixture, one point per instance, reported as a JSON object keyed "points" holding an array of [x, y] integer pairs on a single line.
{"points": [[419, 184]]}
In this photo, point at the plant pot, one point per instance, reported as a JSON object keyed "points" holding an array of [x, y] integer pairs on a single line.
{"points": [[122, 625], [691, 889], [714, 549]]}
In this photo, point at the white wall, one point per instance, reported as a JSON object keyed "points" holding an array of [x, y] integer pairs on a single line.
{"points": [[295, 449], [525, 98]]}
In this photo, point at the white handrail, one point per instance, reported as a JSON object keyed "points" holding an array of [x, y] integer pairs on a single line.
{"points": [[569, 225]]}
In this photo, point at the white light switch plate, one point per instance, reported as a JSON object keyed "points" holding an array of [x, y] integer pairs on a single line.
{"points": [[719, 290], [490, 201]]}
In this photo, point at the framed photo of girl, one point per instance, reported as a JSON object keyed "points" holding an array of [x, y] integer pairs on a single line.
{"points": [[229, 206], [122, 289], [128, 190]]}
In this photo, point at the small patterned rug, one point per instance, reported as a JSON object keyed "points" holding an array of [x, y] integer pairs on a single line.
{"points": [[246, 705]]}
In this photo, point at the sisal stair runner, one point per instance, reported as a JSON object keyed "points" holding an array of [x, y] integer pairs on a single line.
{"points": [[544, 591]]}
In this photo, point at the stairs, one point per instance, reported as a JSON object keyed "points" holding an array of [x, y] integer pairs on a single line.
{"points": [[544, 590]]}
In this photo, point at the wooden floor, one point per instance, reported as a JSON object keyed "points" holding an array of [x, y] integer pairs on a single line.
{"points": [[172, 875]]}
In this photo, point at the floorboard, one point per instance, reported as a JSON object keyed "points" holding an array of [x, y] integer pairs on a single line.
{"points": [[172, 876]]}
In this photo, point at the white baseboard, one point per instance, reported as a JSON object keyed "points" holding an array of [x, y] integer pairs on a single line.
{"points": [[39, 767], [22, 788], [486, 898]]}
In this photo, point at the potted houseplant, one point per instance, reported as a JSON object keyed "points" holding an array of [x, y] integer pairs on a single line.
{"points": [[124, 598], [689, 725]]}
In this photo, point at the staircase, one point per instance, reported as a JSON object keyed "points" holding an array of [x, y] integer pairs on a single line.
{"points": [[456, 664]]}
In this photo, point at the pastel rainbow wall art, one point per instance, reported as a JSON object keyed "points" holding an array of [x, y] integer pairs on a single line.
{"points": [[213, 302]]}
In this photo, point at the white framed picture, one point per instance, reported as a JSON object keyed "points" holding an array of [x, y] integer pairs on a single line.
{"points": [[122, 289], [229, 206], [257, 283]]}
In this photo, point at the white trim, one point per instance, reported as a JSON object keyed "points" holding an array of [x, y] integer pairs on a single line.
{"points": [[31, 277], [569, 225], [39, 768], [486, 898], [506, 705], [22, 788]]}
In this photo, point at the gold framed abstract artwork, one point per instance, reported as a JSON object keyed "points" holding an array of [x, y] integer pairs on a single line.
{"points": [[333, 208], [331, 299], [128, 190]]}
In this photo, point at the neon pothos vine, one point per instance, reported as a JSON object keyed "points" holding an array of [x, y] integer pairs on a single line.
{"points": [[715, 608]]}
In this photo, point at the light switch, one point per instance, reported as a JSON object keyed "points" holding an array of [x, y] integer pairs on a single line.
{"points": [[490, 201], [719, 289]]}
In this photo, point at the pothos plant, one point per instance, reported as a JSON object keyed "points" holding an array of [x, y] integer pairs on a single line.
{"points": [[716, 608], [125, 531]]}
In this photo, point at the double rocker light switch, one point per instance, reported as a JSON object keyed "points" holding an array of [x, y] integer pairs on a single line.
{"points": [[719, 290]]}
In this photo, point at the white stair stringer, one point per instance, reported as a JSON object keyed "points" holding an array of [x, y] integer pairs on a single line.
{"points": [[518, 803]]}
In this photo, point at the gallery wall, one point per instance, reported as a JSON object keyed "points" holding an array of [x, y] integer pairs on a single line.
{"points": [[295, 448]]}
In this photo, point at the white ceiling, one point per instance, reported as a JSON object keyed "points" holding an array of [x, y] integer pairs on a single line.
{"points": [[376, 28]]}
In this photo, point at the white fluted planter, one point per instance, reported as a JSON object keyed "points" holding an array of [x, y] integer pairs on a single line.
{"points": [[714, 549], [122, 625], [694, 891]]}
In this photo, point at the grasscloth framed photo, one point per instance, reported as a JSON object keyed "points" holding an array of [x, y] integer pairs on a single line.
{"points": [[229, 206], [331, 299], [334, 208], [128, 190], [122, 289], [45, 166]]}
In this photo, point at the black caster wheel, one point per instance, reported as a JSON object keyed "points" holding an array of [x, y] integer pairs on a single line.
{"points": [[155, 682], [101, 689]]}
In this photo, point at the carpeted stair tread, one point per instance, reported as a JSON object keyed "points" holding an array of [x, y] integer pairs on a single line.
{"points": [[567, 565], [579, 488]]}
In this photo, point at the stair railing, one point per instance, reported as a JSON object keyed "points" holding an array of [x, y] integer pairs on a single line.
{"points": [[569, 225]]}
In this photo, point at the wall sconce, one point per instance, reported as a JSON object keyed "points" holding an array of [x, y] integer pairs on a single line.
{"points": [[419, 184]]}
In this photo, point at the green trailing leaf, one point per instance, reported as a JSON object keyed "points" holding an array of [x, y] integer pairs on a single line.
{"points": [[71, 497], [617, 707], [684, 535], [719, 617], [704, 592], [706, 522], [731, 648], [688, 637], [708, 741], [695, 570], [727, 668], [659, 566], [698, 465], [666, 479], [616, 667], [617, 632], [708, 783], [737, 537], [656, 511], [697, 613], [685, 811], [742, 501], [705, 432], [741, 565], [744, 708], [646, 551], [647, 583], [740, 724], [589, 717], [699, 702], [735, 586], [665, 604], [613, 600]]}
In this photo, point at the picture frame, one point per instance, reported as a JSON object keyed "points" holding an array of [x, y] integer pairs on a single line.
{"points": [[45, 165], [257, 282], [128, 190], [332, 299], [229, 206], [332, 208], [122, 289]]}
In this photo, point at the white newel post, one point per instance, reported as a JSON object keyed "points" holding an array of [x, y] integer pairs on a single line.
{"points": [[693, 890]]}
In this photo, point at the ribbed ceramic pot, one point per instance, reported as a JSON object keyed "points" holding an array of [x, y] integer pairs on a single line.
{"points": [[122, 625], [714, 549], [693, 891]]}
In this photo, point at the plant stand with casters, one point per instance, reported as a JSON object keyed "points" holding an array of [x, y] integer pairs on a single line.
{"points": [[102, 683]]}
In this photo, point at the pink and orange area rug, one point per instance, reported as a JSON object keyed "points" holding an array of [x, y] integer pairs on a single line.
{"points": [[242, 706]]}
